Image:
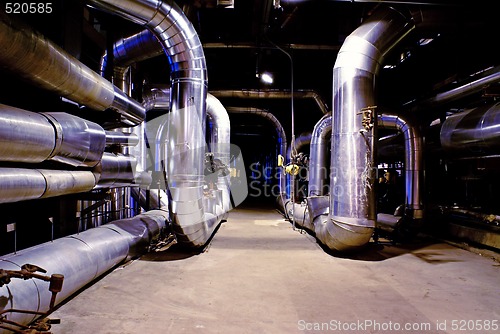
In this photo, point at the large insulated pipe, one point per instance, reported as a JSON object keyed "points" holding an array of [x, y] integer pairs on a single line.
{"points": [[52, 68], [187, 110], [352, 198], [20, 184], [473, 132], [318, 170], [81, 258], [31, 137], [126, 51], [413, 144], [280, 134]]}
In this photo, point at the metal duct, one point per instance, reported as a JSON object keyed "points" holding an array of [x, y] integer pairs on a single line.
{"points": [[31, 137], [118, 170], [479, 82], [473, 132], [352, 199], [413, 144], [20, 184], [126, 51], [280, 132], [318, 171], [273, 94], [81, 258], [188, 110], [52, 68]]}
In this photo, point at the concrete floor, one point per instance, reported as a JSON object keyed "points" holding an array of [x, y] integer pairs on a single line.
{"points": [[261, 276]]}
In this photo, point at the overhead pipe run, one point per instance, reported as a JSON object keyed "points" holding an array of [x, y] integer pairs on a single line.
{"points": [[273, 94], [80, 258], [53, 69]]}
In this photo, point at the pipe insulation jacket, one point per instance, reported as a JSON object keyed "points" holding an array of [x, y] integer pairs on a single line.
{"points": [[352, 196], [81, 258], [31, 137], [50, 67], [186, 127]]}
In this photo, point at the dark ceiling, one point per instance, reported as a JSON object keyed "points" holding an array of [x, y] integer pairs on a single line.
{"points": [[303, 35]]}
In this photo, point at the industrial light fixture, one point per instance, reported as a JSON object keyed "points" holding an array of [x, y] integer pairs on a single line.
{"points": [[266, 78]]}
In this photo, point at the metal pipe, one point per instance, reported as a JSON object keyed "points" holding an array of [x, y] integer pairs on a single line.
{"points": [[413, 144], [273, 94], [81, 258], [121, 138], [318, 170], [472, 132], [118, 170], [186, 135], [52, 68], [301, 142], [280, 132], [32, 137], [20, 184], [127, 51], [220, 146], [479, 82], [352, 198]]}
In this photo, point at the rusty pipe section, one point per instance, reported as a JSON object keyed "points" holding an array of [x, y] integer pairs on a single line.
{"points": [[41, 62], [352, 199], [186, 135], [413, 144], [32, 137], [81, 258]]}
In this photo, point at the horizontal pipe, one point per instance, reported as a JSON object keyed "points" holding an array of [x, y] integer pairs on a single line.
{"points": [[273, 94], [50, 67], [121, 138], [81, 258], [20, 184], [31, 137], [118, 170], [473, 132]]}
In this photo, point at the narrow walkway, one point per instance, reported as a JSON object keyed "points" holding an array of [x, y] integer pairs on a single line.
{"points": [[260, 276]]}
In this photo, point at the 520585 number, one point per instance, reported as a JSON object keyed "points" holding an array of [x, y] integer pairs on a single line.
{"points": [[28, 7]]}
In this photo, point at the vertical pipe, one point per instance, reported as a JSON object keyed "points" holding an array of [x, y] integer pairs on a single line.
{"points": [[318, 170], [352, 197], [413, 144]]}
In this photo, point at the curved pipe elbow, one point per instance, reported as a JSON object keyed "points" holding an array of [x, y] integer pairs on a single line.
{"points": [[343, 236]]}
